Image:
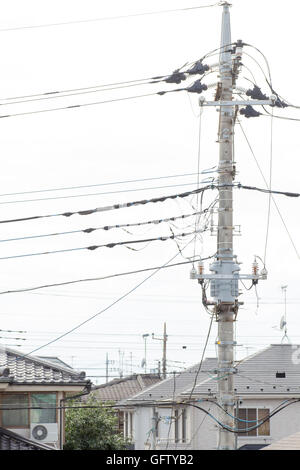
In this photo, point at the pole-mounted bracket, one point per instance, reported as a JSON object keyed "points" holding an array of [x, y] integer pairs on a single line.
{"points": [[271, 101]]}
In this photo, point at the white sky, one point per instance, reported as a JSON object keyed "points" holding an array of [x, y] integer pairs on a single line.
{"points": [[142, 138]]}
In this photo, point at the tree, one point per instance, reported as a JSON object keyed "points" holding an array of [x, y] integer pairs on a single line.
{"points": [[92, 428]]}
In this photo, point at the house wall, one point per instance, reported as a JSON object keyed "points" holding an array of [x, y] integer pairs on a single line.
{"points": [[25, 432], [202, 431], [281, 425]]}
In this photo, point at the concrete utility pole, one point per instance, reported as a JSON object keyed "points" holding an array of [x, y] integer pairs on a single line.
{"points": [[224, 280], [164, 358]]}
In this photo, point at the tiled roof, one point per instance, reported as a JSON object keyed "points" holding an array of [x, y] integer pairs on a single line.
{"points": [[119, 389], [11, 441], [27, 369], [291, 442], [257, 373], [173, 385]]}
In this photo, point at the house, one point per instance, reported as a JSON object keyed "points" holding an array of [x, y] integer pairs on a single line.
{"points": [[167, 414], [287, 443], [32, 391], [123, 388]]}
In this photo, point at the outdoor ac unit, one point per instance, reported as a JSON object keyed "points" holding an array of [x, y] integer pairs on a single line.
{"points": [[44, 432]]}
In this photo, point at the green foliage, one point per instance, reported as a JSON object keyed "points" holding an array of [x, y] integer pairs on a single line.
{"points": [[92, 428]]}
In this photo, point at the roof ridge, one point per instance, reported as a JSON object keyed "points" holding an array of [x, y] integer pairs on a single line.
{"points": [[35, 359]]}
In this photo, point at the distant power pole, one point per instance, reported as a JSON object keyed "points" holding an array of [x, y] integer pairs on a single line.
{"points": [[224, 280], [164, 358]]}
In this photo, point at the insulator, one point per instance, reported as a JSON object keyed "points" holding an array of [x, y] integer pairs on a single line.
{"points": [[255, 268], [200, 268]]}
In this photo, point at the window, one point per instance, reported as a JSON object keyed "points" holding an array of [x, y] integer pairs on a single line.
{"points": [[46, 400], [13, 417], [128, 424], [250, 416]]}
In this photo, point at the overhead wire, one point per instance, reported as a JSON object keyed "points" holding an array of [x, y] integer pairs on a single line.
{"points": [[92, 279], [107, 18], [120, 191], [95, 247], [266, 183], [152, 200], [138, 180], [119, 299], [270, 187]]}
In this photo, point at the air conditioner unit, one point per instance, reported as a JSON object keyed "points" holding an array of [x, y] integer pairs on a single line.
{"points": [[44, 432]]}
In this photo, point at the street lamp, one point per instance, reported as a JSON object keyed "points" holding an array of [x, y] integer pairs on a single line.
{"points": [[144, 362]]}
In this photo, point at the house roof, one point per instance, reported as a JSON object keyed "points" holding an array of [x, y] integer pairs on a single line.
{"points": [[11, 441], [119, 389], [255, 375], [291, 442], [26, 369], [173, 385], [272, 371]]}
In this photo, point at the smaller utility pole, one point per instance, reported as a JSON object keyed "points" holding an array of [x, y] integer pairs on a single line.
{"points": [[164, 358]]}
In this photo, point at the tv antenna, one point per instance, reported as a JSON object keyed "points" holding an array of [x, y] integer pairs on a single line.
{"points": [[283, 321]]}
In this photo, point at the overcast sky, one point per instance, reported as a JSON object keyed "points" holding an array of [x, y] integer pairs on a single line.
{"points": [[135, 139]]}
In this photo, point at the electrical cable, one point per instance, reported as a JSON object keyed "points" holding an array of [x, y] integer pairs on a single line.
{"points": [[201, 362], [95, 247], [92, 279], [120, 191], [266, 183], [106, 227], [76, 106], [152, 200], [270, 187], [76, 327], [92, 20], [67, 188], [109, 208]]}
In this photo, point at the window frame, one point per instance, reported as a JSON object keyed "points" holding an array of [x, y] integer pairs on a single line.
{"points": [[28, 394], [243, 413]]}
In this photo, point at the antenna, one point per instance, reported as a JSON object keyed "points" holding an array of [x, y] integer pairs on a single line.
{"points": [[283, 321]]}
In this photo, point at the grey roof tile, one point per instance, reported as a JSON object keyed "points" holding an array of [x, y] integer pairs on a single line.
{"points": [[123, 388], [32, 369], [255, 375]]}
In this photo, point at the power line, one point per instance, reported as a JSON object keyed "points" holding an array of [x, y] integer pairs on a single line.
{"points": [[105, 227], [100, 194], [28, 289], [92, 20], [109, 306], [266, 183], [270, 195], [76, 106], [152, 200], [109, 208], [67, 188], [95, 247]]}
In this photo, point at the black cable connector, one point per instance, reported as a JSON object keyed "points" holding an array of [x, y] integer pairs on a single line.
{"points": [[198, 68], [256, 94], [197, 87], [176, 77], [249, 111]]}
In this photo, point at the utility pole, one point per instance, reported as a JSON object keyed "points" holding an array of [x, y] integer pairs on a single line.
{"points": [[224, 280], [164, 358]]}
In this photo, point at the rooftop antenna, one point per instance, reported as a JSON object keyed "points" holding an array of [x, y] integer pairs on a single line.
{"points": [[283, 321]]}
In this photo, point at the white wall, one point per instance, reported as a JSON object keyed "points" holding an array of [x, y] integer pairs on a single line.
{"points": [[203, 431]]}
